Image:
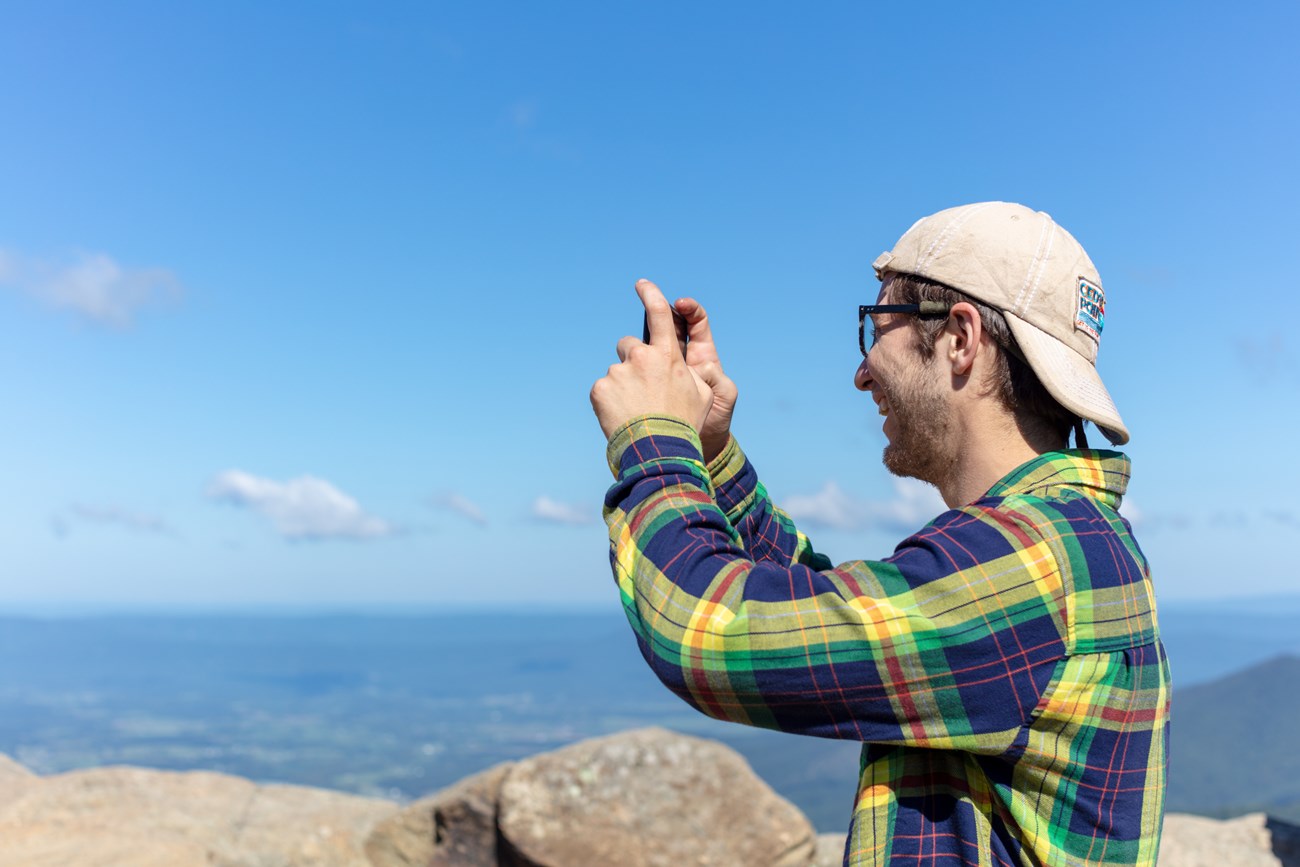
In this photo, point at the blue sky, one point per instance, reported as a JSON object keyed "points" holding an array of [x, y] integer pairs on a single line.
{"points": [[300, 303]]}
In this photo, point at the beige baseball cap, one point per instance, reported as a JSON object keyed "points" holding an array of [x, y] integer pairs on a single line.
{"points": [[1025, 265]]}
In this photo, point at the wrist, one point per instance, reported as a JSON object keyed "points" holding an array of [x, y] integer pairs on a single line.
{"points": [[665, 436], [712, 446]]}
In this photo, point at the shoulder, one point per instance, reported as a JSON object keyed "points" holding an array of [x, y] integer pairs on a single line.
{"points": [[986, 530]]}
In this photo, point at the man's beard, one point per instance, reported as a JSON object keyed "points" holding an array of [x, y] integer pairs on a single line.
{"points": [[920, 447]]}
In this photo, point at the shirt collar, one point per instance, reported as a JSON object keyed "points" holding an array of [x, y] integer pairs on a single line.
{"points": [[1098, 473]]}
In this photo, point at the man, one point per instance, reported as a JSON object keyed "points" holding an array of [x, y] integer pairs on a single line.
{"points": [[1003, 667]]}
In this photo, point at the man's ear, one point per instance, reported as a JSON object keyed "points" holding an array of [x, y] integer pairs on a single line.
{"points": [[963, 331]]}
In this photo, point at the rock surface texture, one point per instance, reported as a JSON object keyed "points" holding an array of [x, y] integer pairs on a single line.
{"points": [[456, 827], [645, 797], [114, 817], [1247, 841]]}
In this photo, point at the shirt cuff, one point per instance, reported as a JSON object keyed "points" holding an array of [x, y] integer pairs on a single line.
{"points": [[734, 479], [728, 461], [649, 438]]}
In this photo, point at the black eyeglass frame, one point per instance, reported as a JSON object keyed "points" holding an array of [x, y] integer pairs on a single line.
{"points": [[926, 310]]}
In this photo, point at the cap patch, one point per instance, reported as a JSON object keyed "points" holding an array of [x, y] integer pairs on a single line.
{"points": [[1090, 315]]}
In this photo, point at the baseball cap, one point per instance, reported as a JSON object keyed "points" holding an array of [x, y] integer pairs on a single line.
{"points": [[1022, 263]]}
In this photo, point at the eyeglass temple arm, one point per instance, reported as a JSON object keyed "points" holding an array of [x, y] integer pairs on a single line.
{"points": [[925, 308]]}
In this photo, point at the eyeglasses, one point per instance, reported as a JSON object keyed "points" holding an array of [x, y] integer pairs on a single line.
{"points": [[926, 310]]}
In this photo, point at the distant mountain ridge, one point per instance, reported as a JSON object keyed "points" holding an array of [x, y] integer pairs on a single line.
{"points": [[1233, 743], [393, 707]]}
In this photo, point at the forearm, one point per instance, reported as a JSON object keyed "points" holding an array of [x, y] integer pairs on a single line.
{"points": [[850, 652], [767, 533], [684, 578]]}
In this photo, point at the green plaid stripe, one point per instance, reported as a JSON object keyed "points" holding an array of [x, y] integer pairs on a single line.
{"points": [[1002, 667]]}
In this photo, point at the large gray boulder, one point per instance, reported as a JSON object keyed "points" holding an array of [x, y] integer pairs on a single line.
{"points": [[830, 850], [11, 771], [647, 798], [456, 827], [1254, 840], [639, 799], [14, 780], [115, 817]]}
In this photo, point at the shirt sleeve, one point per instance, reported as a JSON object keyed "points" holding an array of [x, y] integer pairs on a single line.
{"points": [[766, 532], [949, 643]]}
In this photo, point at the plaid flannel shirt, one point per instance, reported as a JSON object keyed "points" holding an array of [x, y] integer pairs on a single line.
{"points": [[1003, 668]]}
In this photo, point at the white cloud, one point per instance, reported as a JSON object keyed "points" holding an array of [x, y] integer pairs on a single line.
{"points": [[305, 508], [829, 507], [112, 516], [913, 505], [461, 505], [546, 509], [94, 286]]}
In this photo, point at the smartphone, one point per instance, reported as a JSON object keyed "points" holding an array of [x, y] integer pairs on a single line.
{"points": [[679, 322]]}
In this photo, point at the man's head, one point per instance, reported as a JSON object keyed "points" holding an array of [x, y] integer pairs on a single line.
{"points": [[1008, 377], [1039, 299]]}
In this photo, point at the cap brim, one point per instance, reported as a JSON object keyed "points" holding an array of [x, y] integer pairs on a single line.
{"points": [[1069, 377]]}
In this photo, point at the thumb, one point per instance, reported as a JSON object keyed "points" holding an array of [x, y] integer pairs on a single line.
{"points": [[658, 313], [710, 372], [705, 389]]}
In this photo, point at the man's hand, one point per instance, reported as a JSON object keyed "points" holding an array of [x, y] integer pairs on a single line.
{"points": [[702, 357], [653, 378]]}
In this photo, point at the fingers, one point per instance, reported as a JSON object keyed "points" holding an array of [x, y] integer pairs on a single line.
{"points": [[724, 389], [625, 346], [710, 372], [700, 349], [705, 392], [658, 313], [697, 321]]}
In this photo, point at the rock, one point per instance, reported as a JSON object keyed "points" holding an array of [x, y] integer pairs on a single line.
{"points": [[647, 798], [830, 850], [1188, 841], [14, 780], [638, 799], [11, 770], [456, 827], [132, 816], [1247, 841]]}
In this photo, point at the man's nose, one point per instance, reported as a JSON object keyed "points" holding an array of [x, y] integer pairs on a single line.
{"points": [[862, 378]]}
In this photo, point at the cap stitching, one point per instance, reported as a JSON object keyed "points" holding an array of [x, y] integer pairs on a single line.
{"points": [[1033, 263], [945, 236], [1029, 272], [1042, 268], [942, 240]]}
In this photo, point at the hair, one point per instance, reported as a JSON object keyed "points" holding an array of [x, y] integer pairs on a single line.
{"points": [[1017, 387]]}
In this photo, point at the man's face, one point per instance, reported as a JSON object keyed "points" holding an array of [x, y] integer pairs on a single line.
{"points": [[917, 416]]}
